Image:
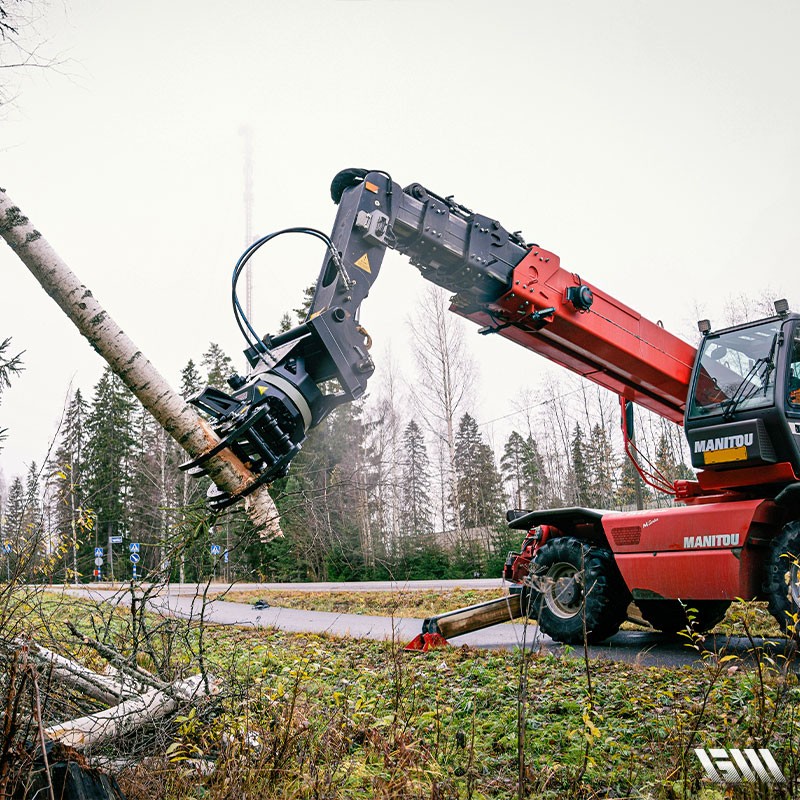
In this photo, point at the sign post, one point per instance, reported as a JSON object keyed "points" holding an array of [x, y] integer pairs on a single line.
{"points": [[7, 551], [134, 550], [112, 540], [216, 549]]}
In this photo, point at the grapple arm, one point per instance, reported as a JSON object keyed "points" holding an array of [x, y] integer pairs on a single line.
{"points": [[507, 286]]}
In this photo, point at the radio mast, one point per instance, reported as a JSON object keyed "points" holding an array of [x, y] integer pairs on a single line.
{"points": [[247, 133]]}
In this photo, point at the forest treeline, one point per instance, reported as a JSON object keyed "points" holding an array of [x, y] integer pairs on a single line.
{"points": [[404, 483]]}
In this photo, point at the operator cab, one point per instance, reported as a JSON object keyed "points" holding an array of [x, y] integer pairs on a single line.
{"points": [[744, 399]]}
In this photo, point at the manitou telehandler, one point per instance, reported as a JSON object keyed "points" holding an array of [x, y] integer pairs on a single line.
{"points": [[734, 531]]}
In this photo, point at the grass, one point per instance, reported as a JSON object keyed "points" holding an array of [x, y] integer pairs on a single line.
{"points": [[403, 603], [311, 716], [741, 617]]}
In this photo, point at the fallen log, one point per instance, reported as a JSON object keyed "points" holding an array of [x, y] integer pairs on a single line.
{"points": [[107, 689], [122, 663], [123, 718]]}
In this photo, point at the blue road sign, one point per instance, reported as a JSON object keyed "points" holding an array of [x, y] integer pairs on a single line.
{"points": [[98, 552], [216, 549], [225, 556], [6, 547], [135, 558], [134, 547]]}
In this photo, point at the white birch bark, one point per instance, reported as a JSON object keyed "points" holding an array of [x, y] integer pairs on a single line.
{"points": [[179, 419], [104, 726], [105, 688]]}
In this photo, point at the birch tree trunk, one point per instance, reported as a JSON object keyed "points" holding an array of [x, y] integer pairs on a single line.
{"points": [[105, 726], [179, 419]]}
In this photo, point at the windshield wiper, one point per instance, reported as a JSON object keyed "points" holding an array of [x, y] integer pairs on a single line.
{"points": [[741, 394]]}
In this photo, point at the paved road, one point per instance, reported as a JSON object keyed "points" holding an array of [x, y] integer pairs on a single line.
{"points": [[330, 586], [641, 647]]}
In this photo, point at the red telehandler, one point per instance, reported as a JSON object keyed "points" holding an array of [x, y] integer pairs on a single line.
{"points": [[735, 529]]}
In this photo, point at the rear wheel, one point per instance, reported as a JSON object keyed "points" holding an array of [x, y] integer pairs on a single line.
{"points": [[572, 580], [782, 580], [670, 616]]}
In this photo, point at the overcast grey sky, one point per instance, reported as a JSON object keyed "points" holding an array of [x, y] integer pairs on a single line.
{"points": [[651, 145]]}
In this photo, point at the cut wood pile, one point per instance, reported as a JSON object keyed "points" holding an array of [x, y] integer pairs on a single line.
{"points": [[47, 753]]}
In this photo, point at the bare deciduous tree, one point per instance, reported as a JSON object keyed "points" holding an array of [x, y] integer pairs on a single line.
{"points": [[443, 387], [22, 46]]}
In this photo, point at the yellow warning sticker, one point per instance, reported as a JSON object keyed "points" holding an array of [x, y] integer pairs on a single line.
{"points": [[262, 389], [363, 263]]}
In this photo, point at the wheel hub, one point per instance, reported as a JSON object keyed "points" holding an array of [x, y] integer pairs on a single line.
{"points": [[564, 596], [794, 585]]}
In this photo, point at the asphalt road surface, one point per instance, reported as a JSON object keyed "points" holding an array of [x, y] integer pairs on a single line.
{"points": [[185, 600]]}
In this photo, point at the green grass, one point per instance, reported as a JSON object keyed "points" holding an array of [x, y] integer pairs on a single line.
{"points": [[310, 716], [740, 619], [411, 603]]}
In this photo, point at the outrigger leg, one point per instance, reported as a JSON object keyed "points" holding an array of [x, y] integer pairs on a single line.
{"points": [[437, 630]]}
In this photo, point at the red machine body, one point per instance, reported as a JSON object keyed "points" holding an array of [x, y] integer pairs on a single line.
{"points": [[735, 531], [608, 342]]}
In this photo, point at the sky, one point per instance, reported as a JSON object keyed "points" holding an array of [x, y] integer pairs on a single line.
{"points": [[653, 146]]}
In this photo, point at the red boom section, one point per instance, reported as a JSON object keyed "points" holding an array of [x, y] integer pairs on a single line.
{"points": [[610, 343]]}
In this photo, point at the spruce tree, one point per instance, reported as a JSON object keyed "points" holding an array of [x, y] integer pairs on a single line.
{"points": [[218, 366], [191, 380], [536, 480], [14, 512], [602, 464], [67, 468], [479, 486], [109, 451], [523, 471], [416, 518], [9, 365], [13, 515], [580, 469]]}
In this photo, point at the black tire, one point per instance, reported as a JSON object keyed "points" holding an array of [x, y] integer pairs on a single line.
{"points": [[599, 594], [782, 578], [670, 616]]}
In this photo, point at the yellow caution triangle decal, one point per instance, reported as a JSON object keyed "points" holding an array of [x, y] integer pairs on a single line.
{"points": [[363, 263]]}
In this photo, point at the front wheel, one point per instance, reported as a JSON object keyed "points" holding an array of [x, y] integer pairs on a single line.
{"points": [[572, 582], [782, 579]]}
